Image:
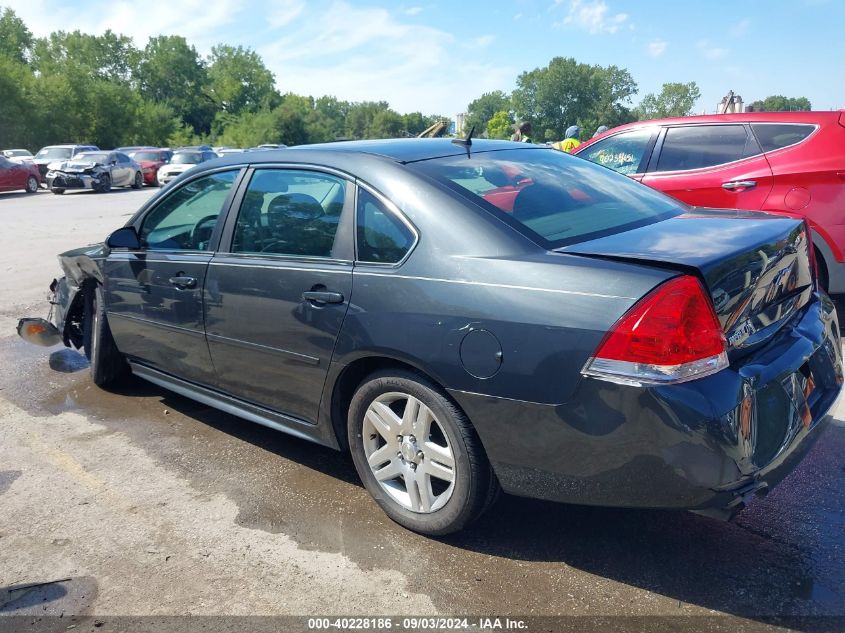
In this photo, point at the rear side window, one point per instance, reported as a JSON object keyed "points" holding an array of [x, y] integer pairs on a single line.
{"points": [[556, 198], [382, 237], [622, 152], [774, 136], [697, 147]]}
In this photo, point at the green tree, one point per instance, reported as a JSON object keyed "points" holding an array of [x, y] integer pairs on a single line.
{"points": [[779, 103], [107, 56], [500, 126], [481, 110], [567, 92], [239, 80], [170, 71], [15, 37], [386, 124], [675, 99]]}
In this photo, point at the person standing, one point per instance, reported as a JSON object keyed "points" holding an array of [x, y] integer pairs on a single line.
{"points": [[522, 133], [570, 141], [600, 130]]}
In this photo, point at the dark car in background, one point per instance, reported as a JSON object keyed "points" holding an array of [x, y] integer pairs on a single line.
{"points": [[53, 153], [16, 176], [97, 171], [585, 339], [791, 163], [150, 161], [181, 161]]}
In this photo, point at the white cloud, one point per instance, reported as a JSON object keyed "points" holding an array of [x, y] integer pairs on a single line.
{"points": [[313, 47], [201, 22], [367, 53], [517, 17], [713, 53], [657, 48], [283, 12], [482, 41], [592, 16], [739, 29]]}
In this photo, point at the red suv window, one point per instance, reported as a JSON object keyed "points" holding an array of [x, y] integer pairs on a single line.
{"points": [[700, 146], [774, 136]]}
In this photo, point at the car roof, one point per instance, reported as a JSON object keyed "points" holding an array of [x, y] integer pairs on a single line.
{"points": [[739, 117], [401, 150]]}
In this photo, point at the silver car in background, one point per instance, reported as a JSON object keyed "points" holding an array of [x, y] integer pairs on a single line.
{"points": [[97, 171]]}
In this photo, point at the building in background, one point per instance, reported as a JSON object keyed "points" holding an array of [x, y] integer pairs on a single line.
{"points": [[460, 122]]}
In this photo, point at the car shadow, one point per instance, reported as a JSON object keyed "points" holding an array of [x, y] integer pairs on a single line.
{"points": [[742, 568]]}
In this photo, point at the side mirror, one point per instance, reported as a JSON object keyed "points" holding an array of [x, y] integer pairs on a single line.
{"points": [[127, 237]]}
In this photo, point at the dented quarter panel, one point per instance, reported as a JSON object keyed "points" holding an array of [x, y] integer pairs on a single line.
{"points": [[81, 266]]}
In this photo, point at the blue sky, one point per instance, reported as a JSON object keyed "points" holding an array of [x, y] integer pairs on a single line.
{"points": [[435, 56]]}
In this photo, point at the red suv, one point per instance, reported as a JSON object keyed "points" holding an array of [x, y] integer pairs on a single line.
{"points": [[785, 162]]}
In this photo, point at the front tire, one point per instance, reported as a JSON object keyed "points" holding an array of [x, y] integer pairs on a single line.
{"points": [[108, 365], [57, 191], [139, 181], [417, 454], [105, 184], [31, 184]]}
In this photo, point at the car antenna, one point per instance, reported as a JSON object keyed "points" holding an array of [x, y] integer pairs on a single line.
{"points": [[466, 142]]}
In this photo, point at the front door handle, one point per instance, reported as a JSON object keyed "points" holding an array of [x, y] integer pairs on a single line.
{"points": [[183, 282], [322, 296], [739, 185]]}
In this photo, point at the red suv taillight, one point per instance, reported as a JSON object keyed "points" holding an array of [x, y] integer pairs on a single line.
{"points": [[671, 335]]}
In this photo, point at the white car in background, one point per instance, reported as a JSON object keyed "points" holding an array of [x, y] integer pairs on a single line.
{"points": [[182, 161], [22, 156]]}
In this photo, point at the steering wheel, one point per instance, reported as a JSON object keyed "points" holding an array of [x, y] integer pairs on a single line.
{"points": [[202, 231]]}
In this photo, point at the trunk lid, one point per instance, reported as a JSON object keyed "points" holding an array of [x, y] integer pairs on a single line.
{"points": [[756, 267]]}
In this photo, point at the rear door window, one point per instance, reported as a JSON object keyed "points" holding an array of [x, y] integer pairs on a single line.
{"points": [[290, 212], [623, 152], [774, 136], [701, 146]]}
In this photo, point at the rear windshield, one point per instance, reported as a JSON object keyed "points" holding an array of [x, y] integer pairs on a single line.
{"points": [[147, 155], [773, 136], [55, 152], [92, 156], [186, 158], [558, 198]]}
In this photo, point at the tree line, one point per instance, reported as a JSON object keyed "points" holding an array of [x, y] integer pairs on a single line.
{"points": [[103, 89]]}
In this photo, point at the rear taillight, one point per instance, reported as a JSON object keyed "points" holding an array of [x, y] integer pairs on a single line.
{"points": [[671, 335]]}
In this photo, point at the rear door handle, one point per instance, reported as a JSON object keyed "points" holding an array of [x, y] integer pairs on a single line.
{"points": [[734, 185], [182, 282], [322, 296]]}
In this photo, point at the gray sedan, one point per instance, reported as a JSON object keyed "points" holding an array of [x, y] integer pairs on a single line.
{"points": [[99, 171], [467, 317]]}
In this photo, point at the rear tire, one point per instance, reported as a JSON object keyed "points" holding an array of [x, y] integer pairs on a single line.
{"points": [[57, 191], [139, 181], [108, 365], [31, 184], [423, 496]]}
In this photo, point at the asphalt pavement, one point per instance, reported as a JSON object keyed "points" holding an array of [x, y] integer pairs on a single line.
{"points": [[141, 502]]}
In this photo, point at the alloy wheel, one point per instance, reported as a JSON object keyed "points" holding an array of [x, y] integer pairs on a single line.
{"points": [[408, 452]]}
